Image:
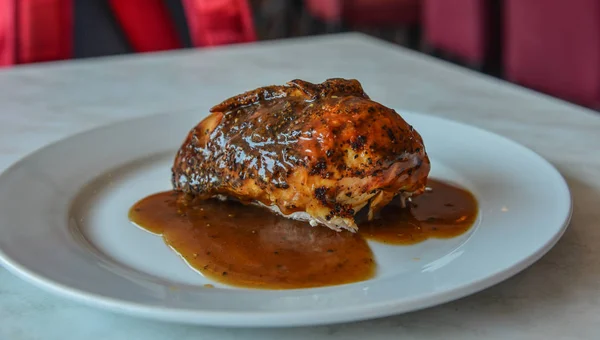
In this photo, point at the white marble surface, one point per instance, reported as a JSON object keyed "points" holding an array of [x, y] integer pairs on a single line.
{"points": [[556, 298]]}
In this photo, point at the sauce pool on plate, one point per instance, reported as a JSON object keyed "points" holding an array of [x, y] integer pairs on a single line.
{"points": [[249, 246], [445, 211]]}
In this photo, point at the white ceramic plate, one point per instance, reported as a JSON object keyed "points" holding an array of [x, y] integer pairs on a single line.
{"points": [[64, 227]]}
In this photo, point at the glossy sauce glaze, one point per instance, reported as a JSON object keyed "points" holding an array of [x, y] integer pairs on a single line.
{"points": [[249, 246], [324, 149]]}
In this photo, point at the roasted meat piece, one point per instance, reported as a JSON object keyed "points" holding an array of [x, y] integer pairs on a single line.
{"points": [[317, 152]]}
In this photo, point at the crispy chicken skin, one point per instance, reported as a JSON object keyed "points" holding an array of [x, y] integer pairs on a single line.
{"points": [[318, 152]]}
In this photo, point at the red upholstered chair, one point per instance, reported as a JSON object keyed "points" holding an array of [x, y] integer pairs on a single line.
{"points": [[381, 12], [463, 29], [146, 24], [42, 30], [7, 32], [554, 46], [218, 22], [210, 22], [365, 13]]}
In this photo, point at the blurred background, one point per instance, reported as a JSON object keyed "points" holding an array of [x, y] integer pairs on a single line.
{"points": [[551, 46]]}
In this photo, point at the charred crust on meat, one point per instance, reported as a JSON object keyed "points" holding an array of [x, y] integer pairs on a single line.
{"points": [[341, 210], [358, 173], [358, 143], [390, 134], [281, 185], [319, 168], [321, 194]]}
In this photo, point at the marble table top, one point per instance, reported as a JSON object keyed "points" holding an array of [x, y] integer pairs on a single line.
{"points": [[556, 298]]}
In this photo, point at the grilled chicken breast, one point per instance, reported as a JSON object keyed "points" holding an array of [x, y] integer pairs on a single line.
{"points": [[317, 152]]}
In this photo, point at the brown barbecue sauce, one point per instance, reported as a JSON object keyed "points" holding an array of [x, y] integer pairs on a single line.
{"points": [[249, 246]]}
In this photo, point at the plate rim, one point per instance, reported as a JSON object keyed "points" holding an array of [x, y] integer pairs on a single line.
{"points": [[274, 318]]}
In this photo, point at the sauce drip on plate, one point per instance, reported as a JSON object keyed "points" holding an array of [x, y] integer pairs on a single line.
{"points": [[249, 246], [444, 212]]}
